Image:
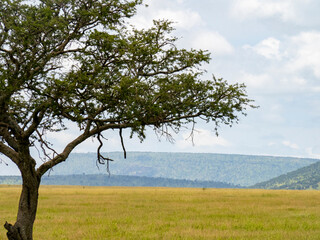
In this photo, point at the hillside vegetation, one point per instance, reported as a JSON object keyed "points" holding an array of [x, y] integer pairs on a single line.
{"points": [[234, 169], [128, 181], [96, 213], [304, 178]]}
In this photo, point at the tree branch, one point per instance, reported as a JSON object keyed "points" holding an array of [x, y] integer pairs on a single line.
{"points": [[62, 156], [10, 153], [36, 117], [68, 149], [8, 138], [162, 72], [13, 126], [122, 143], [100, 158]]}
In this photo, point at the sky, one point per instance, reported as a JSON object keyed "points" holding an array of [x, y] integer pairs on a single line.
{"points": [[272, 46]]}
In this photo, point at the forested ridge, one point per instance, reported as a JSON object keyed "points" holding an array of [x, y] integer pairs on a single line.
{"points": [[116, 180], [184, 170], [304, 178], [244, 170]]}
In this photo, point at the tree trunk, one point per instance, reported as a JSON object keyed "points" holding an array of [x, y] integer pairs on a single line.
{"points": [[23, 228]]}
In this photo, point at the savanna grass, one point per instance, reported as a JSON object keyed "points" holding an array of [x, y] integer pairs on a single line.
{"points": [[168, 213]]}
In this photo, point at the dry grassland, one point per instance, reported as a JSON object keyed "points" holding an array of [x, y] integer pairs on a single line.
{"points": [[168, 213]]}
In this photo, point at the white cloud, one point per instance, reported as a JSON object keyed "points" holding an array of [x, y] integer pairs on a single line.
{"points": [[290, 82], [316, 89], [275, 80], [256, 81], [202, 138], [285, 9], [212, 41], [283, 65], [269, 48], [141, 22], [299, 81], [290, 145], [181, 18], [314, 152], [273, 114], [304, 52], [62, 138]]}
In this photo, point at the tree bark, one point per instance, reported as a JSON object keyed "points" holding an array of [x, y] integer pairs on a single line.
{"points": [[23, 228]]}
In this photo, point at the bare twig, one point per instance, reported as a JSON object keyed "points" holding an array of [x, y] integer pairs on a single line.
{"points": [[2, 161], [192, 132], [100, 158], [45, 146], [122, 144]]}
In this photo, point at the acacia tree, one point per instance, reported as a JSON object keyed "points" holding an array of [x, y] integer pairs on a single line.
{"points": [[79, 61]]}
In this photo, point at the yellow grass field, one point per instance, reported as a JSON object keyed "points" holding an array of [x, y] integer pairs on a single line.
{"points": [[168, 213]]}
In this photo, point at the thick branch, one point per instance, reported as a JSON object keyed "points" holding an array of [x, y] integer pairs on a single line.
{"points": [[168, 72], [68, 149], [10, 153], [36, 117], [7, 137]]}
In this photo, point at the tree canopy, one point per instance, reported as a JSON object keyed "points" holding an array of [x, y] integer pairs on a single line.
{"points": [[81, 61]]}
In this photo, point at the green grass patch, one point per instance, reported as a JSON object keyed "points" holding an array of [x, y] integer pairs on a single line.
{"points": [[168, 213]]}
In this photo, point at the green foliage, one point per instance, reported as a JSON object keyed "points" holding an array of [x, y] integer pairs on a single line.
{"points": [[304, 178]]}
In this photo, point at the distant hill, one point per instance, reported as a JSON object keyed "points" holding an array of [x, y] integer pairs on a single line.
{"points": [[304, 178], [130, 181], [241, 170], [10, 180]]}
